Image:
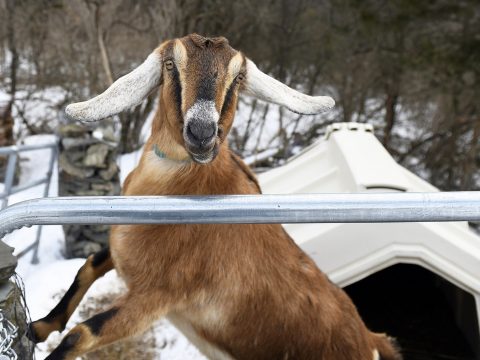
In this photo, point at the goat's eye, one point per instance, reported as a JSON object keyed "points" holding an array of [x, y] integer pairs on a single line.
{"points": [[169, 64], [240, 77]]}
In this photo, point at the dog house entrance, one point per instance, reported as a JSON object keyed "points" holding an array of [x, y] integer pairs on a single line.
{"points": [[430, 317]]}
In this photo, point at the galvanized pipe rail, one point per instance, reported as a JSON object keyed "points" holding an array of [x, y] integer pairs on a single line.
{"points": [[304, 208], [12, 152]]}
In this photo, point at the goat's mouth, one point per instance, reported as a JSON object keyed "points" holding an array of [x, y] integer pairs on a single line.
{"points": [[200, 140], [203, 156]]}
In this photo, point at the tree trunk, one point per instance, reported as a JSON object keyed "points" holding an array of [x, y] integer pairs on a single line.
{"points": [[6, 127], [103, 49], [6, 119], [390, 117], [468, 180]]}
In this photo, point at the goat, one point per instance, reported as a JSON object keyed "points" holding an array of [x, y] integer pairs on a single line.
{"points": [[236, 291]]}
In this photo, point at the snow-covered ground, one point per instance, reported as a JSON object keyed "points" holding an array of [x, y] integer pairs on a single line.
{"points": [[48, 280]]}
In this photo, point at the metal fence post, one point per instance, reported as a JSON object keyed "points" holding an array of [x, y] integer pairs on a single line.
{"points": [[36, 244], [13, 152]]}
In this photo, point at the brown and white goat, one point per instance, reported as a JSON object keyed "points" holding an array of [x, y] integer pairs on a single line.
{"points": [[236, 291]]}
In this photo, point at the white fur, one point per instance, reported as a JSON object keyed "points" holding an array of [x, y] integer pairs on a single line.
{"points": [[204, 160], [234, 67], [203, 110], [264, 87], [126, 92], [180, 53], [206, 348], [376, 355]]}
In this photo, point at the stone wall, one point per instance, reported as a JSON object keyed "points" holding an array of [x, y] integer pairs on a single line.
{"points": [[87, 167], [12, 304]]}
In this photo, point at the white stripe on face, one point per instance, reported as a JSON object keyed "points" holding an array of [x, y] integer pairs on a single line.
{"points": [[234, 67], [204, 111], [180, 56], [376, 356]]}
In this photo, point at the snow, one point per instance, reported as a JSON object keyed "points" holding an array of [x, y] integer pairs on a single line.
{"points": [[128, 162], [40, 106], [47, 281], [252, 159]]}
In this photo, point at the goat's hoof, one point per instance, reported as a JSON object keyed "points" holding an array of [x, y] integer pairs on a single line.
{"points": [[39, 330], [31, 334]]}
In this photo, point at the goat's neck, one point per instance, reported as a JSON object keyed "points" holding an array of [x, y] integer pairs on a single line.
{"points": [[176, 173], [162, 138]]}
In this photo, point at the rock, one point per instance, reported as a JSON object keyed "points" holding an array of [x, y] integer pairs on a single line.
{"points": [[75, 157], [73, 170], [99, 228], [72, 184], [89, 193], [8, 262], [70, 143], [109, 172], [72, 130], [96, 155], [106, 133], [106, 188], [85, 248], [98, 236]]}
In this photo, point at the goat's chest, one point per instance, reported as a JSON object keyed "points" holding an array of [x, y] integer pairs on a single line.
{"points": [[172, 257]]}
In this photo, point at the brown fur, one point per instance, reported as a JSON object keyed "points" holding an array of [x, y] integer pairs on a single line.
{"points": [[248, 291]]}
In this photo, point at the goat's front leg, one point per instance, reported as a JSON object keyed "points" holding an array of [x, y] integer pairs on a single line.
{"points": [[95, 266], [131, 315]]}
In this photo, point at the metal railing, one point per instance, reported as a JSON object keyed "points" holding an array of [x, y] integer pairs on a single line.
{"points": [[238, 209], [12, 152]]}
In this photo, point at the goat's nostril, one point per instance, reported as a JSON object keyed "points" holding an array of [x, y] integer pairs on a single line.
{"points": [[201, 131]]}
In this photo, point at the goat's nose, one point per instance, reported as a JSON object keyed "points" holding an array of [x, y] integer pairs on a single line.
{"points": [[201, 131]]}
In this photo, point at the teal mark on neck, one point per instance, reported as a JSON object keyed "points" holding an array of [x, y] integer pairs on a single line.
{"points": [[159, 152], [162, 155]]}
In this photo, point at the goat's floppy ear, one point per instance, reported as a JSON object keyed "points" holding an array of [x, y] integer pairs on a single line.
{"points": [[264, 87], [126, 92]]}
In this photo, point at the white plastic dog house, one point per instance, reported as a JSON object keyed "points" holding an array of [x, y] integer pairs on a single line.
{"points": [[350, 159]]}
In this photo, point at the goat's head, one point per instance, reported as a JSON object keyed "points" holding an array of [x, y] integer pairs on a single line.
{"points": [[200, 81]]}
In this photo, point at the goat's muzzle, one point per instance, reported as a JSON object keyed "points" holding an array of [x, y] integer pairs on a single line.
{"points": [[200, 139], [201, 133], [201, 130]]}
